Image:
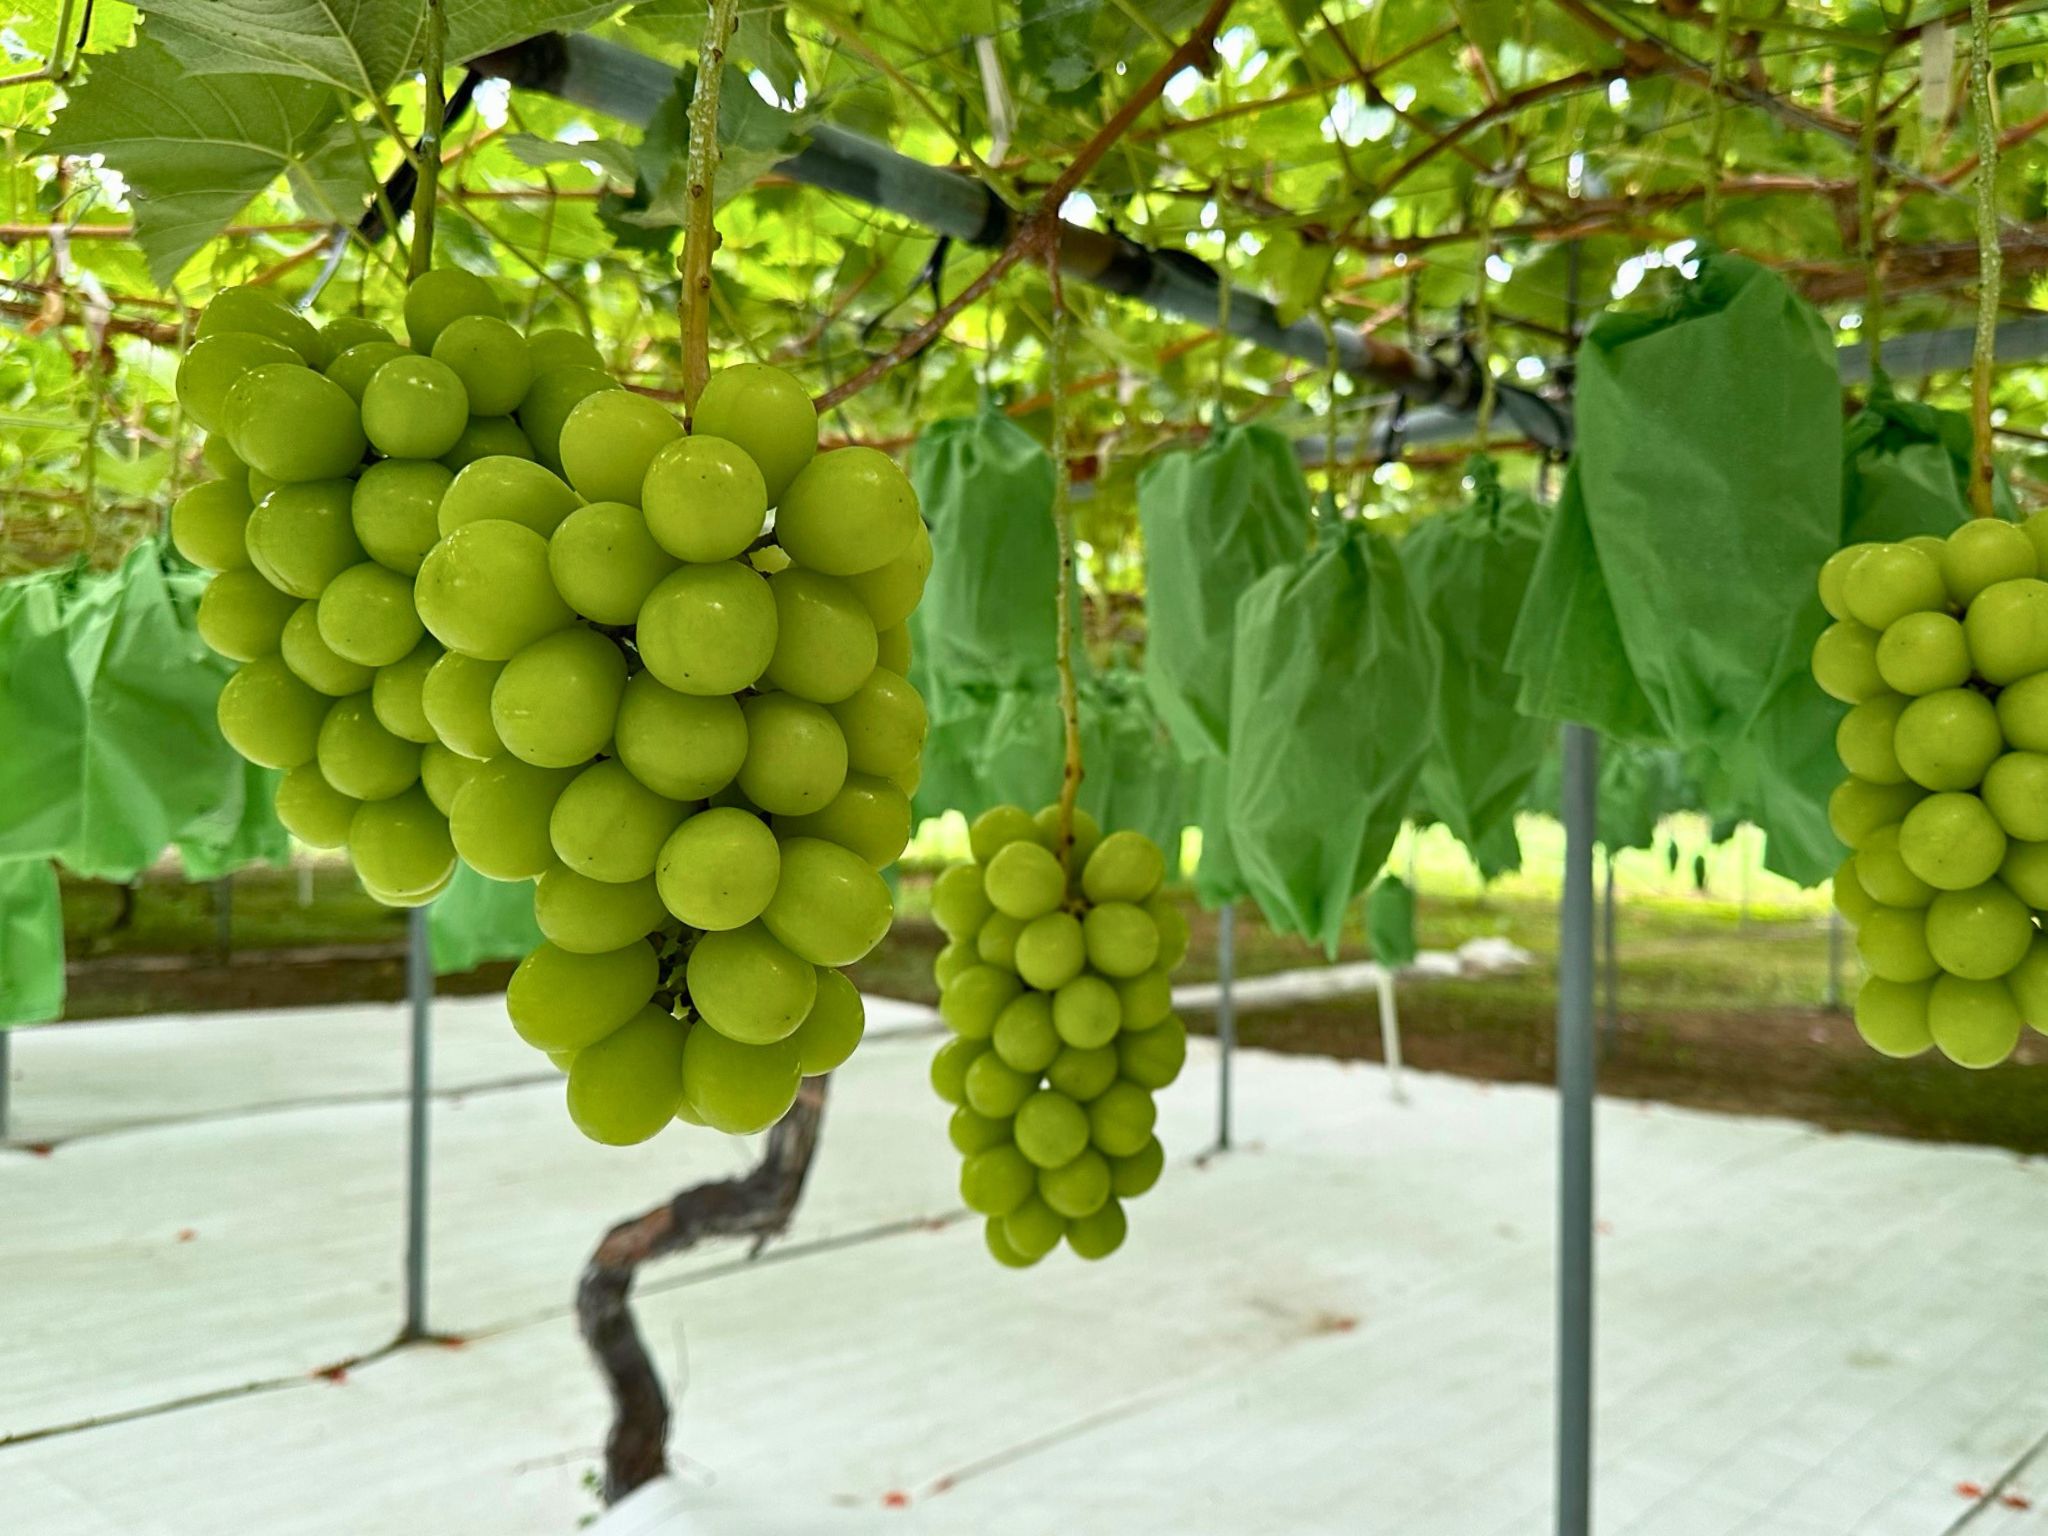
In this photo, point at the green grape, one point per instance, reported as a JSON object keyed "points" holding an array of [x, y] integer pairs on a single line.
{"points": [[1144, 1000], [1891, 1016], [608, 440], [1052, 1130], [219, 456], [1947, 740], [625, 1088], [1975, 1024], [1033, 1230], [1890, 582], [739, 1088], [1122, 940], [588, 917], [1083, 1074], [959, 903], [500, 818], [718, 869], [556, 392], [949, 1068], [256, 311], [1133, 1176], [1087, 1012], [269, 716], [487, 437], [847, 511], [2016, 792], [490, 360], [610, 826], [396, 694], [314, 663], [1025, 881], [1924, 652], [507, 490], [1952, 841], [1979, 933], [559, 1001], [999, 1247], [2025, 869], [604, 562], [436, 299], [884, 726], [890, 592], [870, 816], [2028, 982], [456, 698], [951, 960], [303, 536], [395, 510], [1087, 834], [210, 371], [1850, 899], [400, 847], [554, 703], [1051, 951], [2023, 713], [1172, 924], [996, 1089], [971, 1133], [1154, 1058], [748, 986], [1845, 663], [313, 810], [708, 629], [892, 649], [484, 590], [979, 993], [832, 1030], [996, 943], [1833, 573], [996, 828], [2007, 628], [1120, 1119], [242, 616], [209, 522], [360, 758], [1864, 740], [443, 772], [996, 1181], [765, 412], [678, 744], [353, 369], [1080, 1186], [414, 408], [1893, 944], [559, 348], [796, 758], [829, 904], [367, 615], [1857, 808], [293, 424], [1125, 867], [824, 639], [1098, 1234], [1024, 1035], [336, 336], [703, 498]]}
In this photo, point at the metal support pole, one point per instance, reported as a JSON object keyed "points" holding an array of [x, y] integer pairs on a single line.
{"points": [[1610, 1023], [1834, 961], [1226, 1018], [419, 990], [1390, 1037], [1576, 1068]]}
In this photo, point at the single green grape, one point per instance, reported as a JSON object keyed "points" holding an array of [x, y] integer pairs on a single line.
{"points": [[1122, 940], [1120, 1119], [684, 746], [489, 358], [824, 639], [796, 758], [997, 1180], [767, 414], [436, 299], [367, 615], [1083, 1074], [749, 986], [718, 869], [588, 917], [995, 1089], [891, 592], [500, 820], [832, 1030], [215, 365], [399, 693], [610, 826], [1052, 1130], [708, 629], [484, 590], [1125, 866], [352, 370], [443, 772], [605, 562], [554, 702], [303, 536], [609, 439], [293, 424], [514, 490], [1025, 881], [1087, 1012], [400, 847], [892, 649], [739, 1088], [960, 903], [555, 347], [313, 810], [625, 1088], [847, 511], [1051, 951], [1024, 1036], [870, 816], [829, 904], [360, 758], [1132, 1176], [554, 393], [998, 1245], [1153, 1058], [414, 408], [255, 311], [704, 499], [1034, 1229], [1145, 999], [1079, 1187], [209, 523], [997, 941], [269, 716], [560, 1001], [242, 616], [884, 725], [971, 1133], [1098, 1234], [977, 996], [949, 1068], [314, 662], [395, 510], [456, 698]]}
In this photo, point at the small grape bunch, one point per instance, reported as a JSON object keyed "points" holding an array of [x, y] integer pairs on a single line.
{"points": [[1941, 647], [569, 644], [1056, 985]]}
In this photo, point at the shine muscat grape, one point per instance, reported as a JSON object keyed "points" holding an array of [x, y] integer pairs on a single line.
{"points": [[1941, 649], [1056, 985], [493, 607]]}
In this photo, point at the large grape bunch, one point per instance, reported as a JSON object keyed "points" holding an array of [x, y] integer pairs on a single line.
{"points": [[493, 606], [1941, 647], [1059, 997]]}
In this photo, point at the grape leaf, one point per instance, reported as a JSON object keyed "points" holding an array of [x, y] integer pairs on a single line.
{"points": [[358, 46], [754, 137], [609, 155], [194, 149], [1058, 40]]}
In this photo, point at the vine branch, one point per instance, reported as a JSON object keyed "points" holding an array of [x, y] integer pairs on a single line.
{"points": [[700, 236], [1063, 600], [421, 256], [1990, 260]]}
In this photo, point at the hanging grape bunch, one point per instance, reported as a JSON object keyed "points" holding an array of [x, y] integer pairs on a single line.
{"points": [[1058, 992], [493, 606], [1941, 646]]}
